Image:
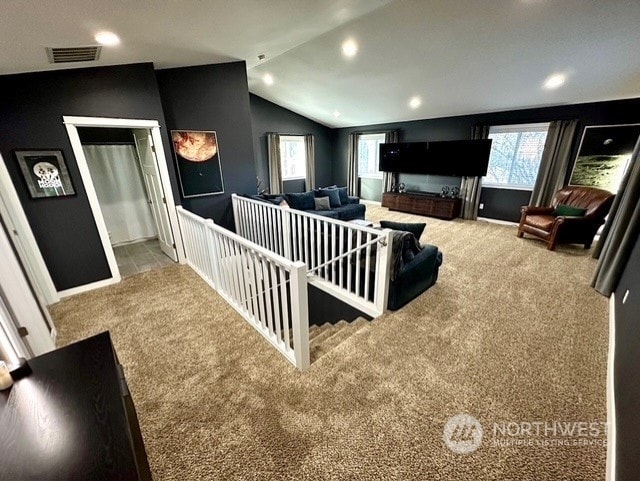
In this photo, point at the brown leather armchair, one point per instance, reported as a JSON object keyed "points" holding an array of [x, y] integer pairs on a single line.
{"points": [[540, 221]]}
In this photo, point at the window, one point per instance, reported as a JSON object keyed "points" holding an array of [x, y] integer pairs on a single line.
{"points": [[516, 151], [293, 157], [368, 155]]}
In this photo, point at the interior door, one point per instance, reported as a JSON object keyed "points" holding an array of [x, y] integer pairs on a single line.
{"points": [[151, 177]]}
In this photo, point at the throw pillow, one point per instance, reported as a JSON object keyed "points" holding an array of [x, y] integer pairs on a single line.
{"points": [[301, 201], [569, 210], [344, 195], [322, 203], [416, 229], [333, 194]]}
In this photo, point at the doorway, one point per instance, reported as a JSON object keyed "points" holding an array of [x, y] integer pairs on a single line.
{"points": [[153, 239], [121, 164]]}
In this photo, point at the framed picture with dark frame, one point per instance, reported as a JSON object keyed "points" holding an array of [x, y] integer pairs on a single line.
{"points": [[604, 155], [198, 161], [45, 173]]}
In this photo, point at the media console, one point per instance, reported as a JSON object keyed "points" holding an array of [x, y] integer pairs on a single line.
{"points": [[424, 204]]}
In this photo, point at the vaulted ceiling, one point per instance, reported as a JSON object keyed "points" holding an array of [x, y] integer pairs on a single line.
{"points": [[458, 57]]}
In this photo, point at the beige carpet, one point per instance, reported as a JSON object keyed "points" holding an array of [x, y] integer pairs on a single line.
{"points": [[511, 332]]}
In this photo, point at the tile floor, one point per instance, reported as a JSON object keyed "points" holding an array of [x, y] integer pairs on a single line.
{"points": [[140, 257]]}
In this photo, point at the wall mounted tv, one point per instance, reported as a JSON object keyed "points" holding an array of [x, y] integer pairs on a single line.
{"points": [[451, 158]]}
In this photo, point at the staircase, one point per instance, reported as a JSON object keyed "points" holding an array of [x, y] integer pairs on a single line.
{"points": [[325, 338]]}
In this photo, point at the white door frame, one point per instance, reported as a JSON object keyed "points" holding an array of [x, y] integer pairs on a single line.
{"points": [[22, 236], [25, 309], [72, 123]]}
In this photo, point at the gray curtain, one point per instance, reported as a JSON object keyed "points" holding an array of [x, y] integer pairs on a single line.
{"points": [[311, 162], [554, 164], [352, 157], [620, 232], [275, 167], [389, 178], [471, 187]]}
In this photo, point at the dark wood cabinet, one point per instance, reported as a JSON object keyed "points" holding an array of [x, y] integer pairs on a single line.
{"points": [[72, 418], [422, 204]]}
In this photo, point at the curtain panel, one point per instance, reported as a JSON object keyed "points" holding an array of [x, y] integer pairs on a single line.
{"points": [[389, 178], [620, 231], [471, 187], [310, 178], [275, 167], [555, 161], [352, 157]]}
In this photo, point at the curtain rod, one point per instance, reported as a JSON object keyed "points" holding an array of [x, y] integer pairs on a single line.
{"points": [[284, 133]]}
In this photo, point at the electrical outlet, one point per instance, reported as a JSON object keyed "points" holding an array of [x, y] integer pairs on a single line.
{"points": [[626, 294], [481, 206]]}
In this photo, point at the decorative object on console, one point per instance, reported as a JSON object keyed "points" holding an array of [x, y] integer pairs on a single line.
{"points": [[455, 192], [45, 173], [6, 381], [402, 188], [445, 191], [198, 160]]}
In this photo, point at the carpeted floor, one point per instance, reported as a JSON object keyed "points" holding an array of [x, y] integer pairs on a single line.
{"points": [[510, 333]]}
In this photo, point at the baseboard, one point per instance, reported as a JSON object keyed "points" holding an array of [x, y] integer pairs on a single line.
{"points": [[370, 202], [88, 287], [498, 221], [611, 401]]}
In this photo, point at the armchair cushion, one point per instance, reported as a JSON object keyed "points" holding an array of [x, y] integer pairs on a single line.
{"points": [[544, 222], [569, 210]]}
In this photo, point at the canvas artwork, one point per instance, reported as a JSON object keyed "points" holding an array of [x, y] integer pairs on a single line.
{"points": [[45, 173], [604, 156], [198, 161]]}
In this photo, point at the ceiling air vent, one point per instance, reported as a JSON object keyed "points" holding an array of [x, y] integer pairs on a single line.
{"points": [[73, 54]]}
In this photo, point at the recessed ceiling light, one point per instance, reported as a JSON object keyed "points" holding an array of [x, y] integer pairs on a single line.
{"points": [[415, 102], [108, 39], [268, 79], [349, 47], [554, 81], [336, 113]]}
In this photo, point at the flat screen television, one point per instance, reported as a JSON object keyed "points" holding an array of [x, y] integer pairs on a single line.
{"points": [[455, 158]]}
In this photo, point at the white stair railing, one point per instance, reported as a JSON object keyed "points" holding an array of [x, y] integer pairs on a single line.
{"points": [[269, 291], [347, 260]]}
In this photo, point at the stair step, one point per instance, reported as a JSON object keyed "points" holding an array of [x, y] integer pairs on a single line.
{"points": [[315, 330], [325, 331], [333, 338]]}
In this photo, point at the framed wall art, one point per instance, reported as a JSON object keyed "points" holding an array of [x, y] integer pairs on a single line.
{"points": [[45, 173], [198, 161], [604, 155]]}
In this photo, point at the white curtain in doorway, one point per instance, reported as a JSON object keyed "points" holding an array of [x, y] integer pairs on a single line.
{"points": [[123, 199]]}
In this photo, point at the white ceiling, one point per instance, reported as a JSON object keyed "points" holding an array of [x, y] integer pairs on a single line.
{"points": [[459, 56]]}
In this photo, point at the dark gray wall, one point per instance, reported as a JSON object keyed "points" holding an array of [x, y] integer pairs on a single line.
{"points": [[626, 372], [498, 203], [269, 117], [214, 97], [31, 110]]}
